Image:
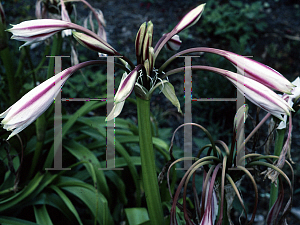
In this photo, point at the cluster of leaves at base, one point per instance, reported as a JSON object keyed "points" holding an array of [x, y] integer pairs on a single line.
{"points": [[82, 195], [234, 22]]}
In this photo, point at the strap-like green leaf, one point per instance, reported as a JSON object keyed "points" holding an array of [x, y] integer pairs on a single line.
{"points": [[122, 151], [18, 197], [87, 107], [136, 216], [41, 215], [68, 203], [84, 154], [5, 220], [93, 199], [96, 202]]}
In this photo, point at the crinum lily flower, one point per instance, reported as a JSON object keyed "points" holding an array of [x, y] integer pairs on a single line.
{"points": [[37, 30], [37, 101], [32, 31], [253, 90], [149, 78], [250, 68], [125, 89], [290, 100]]}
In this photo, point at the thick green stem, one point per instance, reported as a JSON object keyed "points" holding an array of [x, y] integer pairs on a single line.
{"points": [[277, 151], [148, 163]]}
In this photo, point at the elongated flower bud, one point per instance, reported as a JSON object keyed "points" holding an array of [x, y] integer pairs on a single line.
{"points": [[139, 42], [127, 85], [147, 40], [260, 72], [189, 19], [94, 44], [251, 68]]}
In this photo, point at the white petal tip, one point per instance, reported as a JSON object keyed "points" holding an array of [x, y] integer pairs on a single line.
{"points": [[10, 136]]}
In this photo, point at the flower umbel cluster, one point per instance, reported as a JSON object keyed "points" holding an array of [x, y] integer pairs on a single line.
{"points": [[257, 85]]}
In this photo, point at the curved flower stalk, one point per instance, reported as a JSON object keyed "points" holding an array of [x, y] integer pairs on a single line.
{"points": [[65, 17], [37, 101], [229, 179]]}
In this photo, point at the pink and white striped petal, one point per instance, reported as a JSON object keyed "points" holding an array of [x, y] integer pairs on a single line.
{"points": [[189, 19], [174, 43], [256, 92], [127, 84], [94, 44], [125, 88], [31, 28], [35, 102], [255, 70]]}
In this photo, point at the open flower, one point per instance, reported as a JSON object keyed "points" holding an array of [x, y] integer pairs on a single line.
{"points": [[259, 72], [256, 92], [37, 30], [251, 68], [32, 31], [35, 102], [290, 100], [125, 88]]}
